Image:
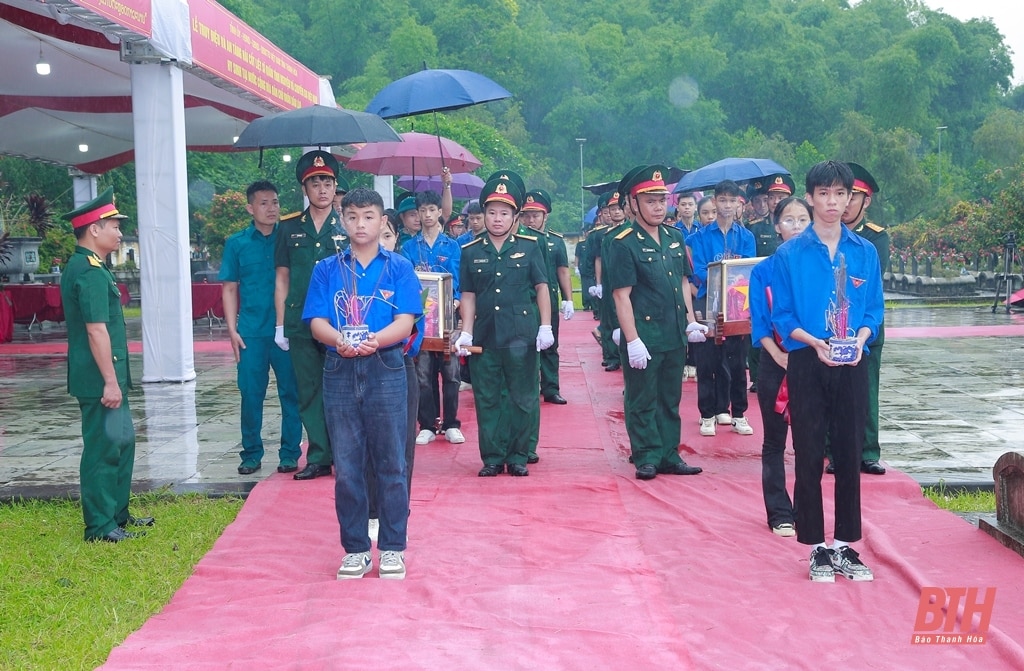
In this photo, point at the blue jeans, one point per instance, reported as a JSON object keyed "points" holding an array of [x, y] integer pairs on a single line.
{"points": [[254, 364], [365, 406]]}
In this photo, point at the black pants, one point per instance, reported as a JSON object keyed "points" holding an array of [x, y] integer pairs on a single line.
{"points": [[721, 376], [826, 401], [777, 504]]}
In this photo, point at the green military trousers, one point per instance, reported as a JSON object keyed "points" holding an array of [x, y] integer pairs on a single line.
{"points": [[308, 362], [105, 471], [507, 402], [652, 397]]}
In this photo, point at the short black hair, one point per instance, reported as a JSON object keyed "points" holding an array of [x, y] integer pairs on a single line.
{"points": [[261, 185], [727, 187], [785, 202], [686, 194], [428, 198], [362, 197], [829, 173], [473, 207], [702, 202]]}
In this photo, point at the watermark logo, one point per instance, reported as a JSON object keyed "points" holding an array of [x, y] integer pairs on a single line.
{"points": [[938, 622]]}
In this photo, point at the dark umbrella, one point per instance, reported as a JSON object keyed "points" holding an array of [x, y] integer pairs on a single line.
{"points": [[464, 185], [736, 169], [417, 153], [315, 126], [434, 91], [674, 174]]}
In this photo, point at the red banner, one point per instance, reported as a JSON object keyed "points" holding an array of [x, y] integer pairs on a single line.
{"points": [[228, 47], [135, 15]]}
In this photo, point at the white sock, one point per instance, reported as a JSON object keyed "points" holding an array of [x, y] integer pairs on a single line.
{"points": [[838, 545], [819, 545]]}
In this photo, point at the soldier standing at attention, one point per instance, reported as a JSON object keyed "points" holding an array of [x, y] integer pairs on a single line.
{"points": [[302, 240], [506, 309], [647, 278], [98, 374], [535, 216]]}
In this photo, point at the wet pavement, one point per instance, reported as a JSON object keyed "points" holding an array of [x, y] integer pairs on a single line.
{"points": [[951, 404]]}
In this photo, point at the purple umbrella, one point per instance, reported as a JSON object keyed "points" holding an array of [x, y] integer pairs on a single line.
{"points": [[464, 185]]}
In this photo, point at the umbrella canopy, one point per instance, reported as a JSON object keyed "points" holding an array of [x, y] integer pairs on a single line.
{"points": [[434, 91], [415, 154], [674, 174], [464, 185], [315, 126], [736, 169]]}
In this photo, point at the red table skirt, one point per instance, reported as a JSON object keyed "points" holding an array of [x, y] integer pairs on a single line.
{"points": [[42, 302], [206, 300]]}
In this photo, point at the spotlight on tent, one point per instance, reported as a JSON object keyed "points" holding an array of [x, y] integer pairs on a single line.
{"points": [[287, 158], [83, 147], [42, 67]]}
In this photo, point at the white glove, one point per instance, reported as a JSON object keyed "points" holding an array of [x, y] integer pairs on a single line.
{"points": [[595, 291], [567, 310], [577, 271], [462, 342], [638, 354], [616, 335], [695, 332], [545, 338], [279, 338]]}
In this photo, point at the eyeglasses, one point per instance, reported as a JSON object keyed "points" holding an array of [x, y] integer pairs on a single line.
{"points": [[790, 223]]}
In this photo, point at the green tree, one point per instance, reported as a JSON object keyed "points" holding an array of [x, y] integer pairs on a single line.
{"points": [[225, 216]]}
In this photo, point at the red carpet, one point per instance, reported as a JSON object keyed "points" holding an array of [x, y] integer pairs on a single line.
{"points": [[579, 566]]}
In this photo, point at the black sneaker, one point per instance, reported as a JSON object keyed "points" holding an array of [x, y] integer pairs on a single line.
{"points": [[821, 565], [847, 562]]}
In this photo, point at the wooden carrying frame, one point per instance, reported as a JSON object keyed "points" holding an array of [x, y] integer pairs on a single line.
{"points": [[729, 297], [438, 321]]}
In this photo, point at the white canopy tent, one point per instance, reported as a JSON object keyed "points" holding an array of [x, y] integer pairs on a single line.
{"points": [[128, 87]]}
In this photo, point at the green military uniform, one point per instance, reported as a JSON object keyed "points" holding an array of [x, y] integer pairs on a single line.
{"points": [[299, 247], [586, 280], [654, 270], [90, 296], [503, 283], [405, 202], [879, 237]]}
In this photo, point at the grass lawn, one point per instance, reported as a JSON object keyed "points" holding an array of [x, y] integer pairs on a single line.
{"points": [[961, 500], [64, 603]]}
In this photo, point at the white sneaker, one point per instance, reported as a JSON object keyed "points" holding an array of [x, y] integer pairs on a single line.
{"points": [[465, 386], [392, 565], [374, 529], [786, 530], [355, 565], [454, 435], [689, 372], [741, 426], [425, 436], [707, 426], [723, 418]]}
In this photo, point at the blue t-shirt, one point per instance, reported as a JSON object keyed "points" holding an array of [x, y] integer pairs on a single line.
{"points": [[442, 257], [760, 309], [344, 292], [804, 289], [709, 245]]}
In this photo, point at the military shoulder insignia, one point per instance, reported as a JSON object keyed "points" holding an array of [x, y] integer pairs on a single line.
{"points": [[875, 227], [475, 241], [517, 255], [291, 216], [557, 235], [94, 262], [602, 227], [623, 234], [527, 237]]}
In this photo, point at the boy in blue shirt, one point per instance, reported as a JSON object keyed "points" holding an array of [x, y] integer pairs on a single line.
{"points": [[827, 399], [364, 379], [721, 368]]}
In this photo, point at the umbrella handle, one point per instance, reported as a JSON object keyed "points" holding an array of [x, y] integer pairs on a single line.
{"points": [[437, 134]]}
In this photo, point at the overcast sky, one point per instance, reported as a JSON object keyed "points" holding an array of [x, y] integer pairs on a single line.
{"points": [[1008, 15]]}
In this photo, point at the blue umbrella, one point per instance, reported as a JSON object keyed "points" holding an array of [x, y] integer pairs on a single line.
{"points": [[736, 169], [434, 91], [464, 185], [590, 216]]}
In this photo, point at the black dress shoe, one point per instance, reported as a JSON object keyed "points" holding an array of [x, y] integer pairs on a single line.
{"points": [[139, 522], [532, 458], [312, 471], [872, 468], [287, 468], [753, 388], [646, 472], [680, 469], [248, 469], [491, 470], [613, 366], [830, 469], [555, 398], [518, 470], [116, 536]]}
